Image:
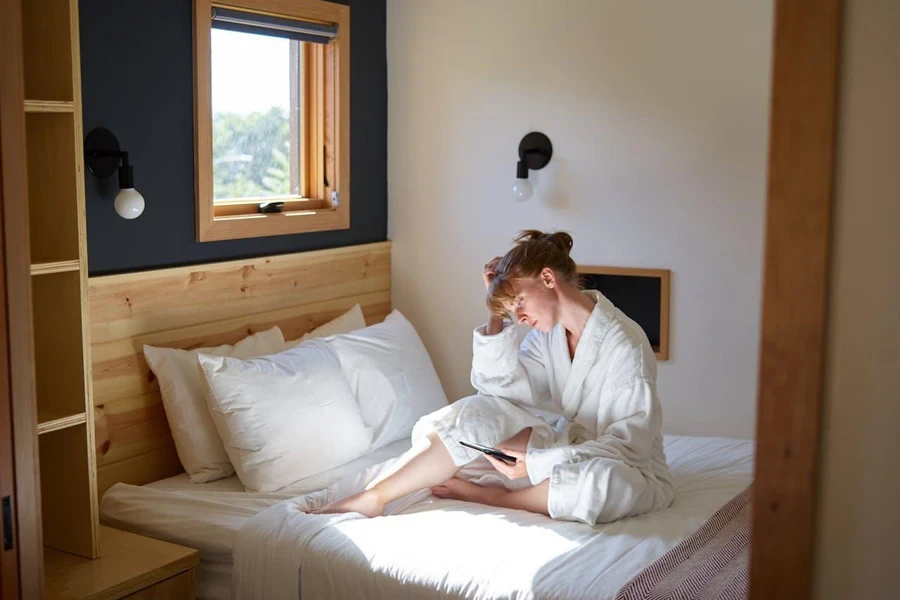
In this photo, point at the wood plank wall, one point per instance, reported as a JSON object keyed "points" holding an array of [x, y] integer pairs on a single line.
{"points": [[207, 305]]}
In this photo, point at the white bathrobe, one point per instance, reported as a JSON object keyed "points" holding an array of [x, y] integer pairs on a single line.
{"points": [[595, 420]]}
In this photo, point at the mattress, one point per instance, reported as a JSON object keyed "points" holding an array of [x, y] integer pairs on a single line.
{"points": [[555, 556], [206, 516]]}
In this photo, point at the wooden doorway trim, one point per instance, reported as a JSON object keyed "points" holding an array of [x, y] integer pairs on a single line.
{"points": [[9, 557], [16, 305], [794, 314]]}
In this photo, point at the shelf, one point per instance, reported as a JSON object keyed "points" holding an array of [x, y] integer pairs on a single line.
{"points": [[53, 183], [54, 153], [68, 502], [54, 266], [128, 564], [51, 418], [48, 35], [49, 106], [59, 364]]}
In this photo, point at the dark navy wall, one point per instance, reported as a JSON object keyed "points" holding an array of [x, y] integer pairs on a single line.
{"points": [[137, 80]]}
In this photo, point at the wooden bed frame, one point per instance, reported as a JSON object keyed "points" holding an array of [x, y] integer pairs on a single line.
{"points": [[206, 305]]}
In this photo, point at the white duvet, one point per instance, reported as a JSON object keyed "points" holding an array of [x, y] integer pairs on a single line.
{"points": [[434, 548], [427, 548]]}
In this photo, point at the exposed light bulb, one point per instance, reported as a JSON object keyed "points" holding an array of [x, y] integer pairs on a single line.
{"points": [[522, 190], [129, 203]]}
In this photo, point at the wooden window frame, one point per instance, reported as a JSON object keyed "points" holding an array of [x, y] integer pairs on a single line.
{"points": [[325, 124]]}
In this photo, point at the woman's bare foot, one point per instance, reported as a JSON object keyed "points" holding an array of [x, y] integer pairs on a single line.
{"points": [[460, 489], [366, 503]]}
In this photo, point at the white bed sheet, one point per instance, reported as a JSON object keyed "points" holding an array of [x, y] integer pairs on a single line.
{"points": [[206, 516], [545, 558]]}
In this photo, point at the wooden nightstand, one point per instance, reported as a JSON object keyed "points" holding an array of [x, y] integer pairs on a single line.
{"points": [[130, 566]]}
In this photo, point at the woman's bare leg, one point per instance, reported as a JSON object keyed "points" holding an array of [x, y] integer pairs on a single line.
{"points": [[426, 464], [517, 442], [533, 499]]}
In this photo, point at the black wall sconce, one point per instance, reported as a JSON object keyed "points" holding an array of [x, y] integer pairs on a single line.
{"points": [[102, 155], [535, 151]]}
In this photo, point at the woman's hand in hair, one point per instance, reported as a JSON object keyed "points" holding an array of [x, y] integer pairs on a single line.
{"points": [[490, 271], [516, 471], [494, 323]]}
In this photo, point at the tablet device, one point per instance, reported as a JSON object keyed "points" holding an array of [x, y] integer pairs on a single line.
{"points": [[498, 454]]}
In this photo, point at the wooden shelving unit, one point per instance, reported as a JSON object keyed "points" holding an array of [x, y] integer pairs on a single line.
{"points": [[51, 418], [49, 106], [58, 266], [131, 566], [59, 275]]}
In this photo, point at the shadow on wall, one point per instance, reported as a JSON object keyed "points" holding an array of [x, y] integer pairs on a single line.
{"points": [[555, 184]]}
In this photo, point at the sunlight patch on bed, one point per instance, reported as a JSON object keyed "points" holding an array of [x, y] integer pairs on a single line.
{"points": [[437, 543]]}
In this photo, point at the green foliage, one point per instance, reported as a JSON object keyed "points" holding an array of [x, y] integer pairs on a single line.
{"points": [[251, 154]]}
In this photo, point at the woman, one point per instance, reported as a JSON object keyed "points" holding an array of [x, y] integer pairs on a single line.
{"points": [[576, 404]]}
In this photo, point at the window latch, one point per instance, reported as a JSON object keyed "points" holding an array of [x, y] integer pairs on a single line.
{"points": [[270, 207], [335, 199]]}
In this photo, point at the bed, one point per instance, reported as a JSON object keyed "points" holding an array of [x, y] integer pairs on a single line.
{"points": [[144, 490], [207, 516], [392, 557]]}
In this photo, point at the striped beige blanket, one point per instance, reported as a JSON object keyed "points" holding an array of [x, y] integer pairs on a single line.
{"points": [[713, 563]]}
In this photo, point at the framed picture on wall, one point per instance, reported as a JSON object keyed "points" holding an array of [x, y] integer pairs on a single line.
{"points": [[642, 294]]}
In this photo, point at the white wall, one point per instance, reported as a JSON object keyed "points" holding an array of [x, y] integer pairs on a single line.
{"points": [[658, 112], [858, 523]]}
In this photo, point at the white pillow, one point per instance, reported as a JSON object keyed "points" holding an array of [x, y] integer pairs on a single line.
{"points": [[286, 416], [349, 321], [391, 375], [198, 445]]}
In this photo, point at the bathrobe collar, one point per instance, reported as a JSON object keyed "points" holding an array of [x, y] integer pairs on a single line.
{"points": [[586, 352]]}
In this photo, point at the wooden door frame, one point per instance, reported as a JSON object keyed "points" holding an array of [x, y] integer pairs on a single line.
{"points": [[9, 559], [16, 270], [795, 290]]}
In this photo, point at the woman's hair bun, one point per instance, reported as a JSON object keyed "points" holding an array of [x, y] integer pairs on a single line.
{"points": [[560, 239]]}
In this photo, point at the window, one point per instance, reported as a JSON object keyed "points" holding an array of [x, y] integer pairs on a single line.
{"points": [[256, 107], [272, 117]]}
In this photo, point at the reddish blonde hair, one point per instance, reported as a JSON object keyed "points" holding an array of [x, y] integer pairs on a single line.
{"points": [[533, 252]]}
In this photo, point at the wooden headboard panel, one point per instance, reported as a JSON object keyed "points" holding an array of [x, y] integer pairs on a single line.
{"points": [[206, 305]]}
